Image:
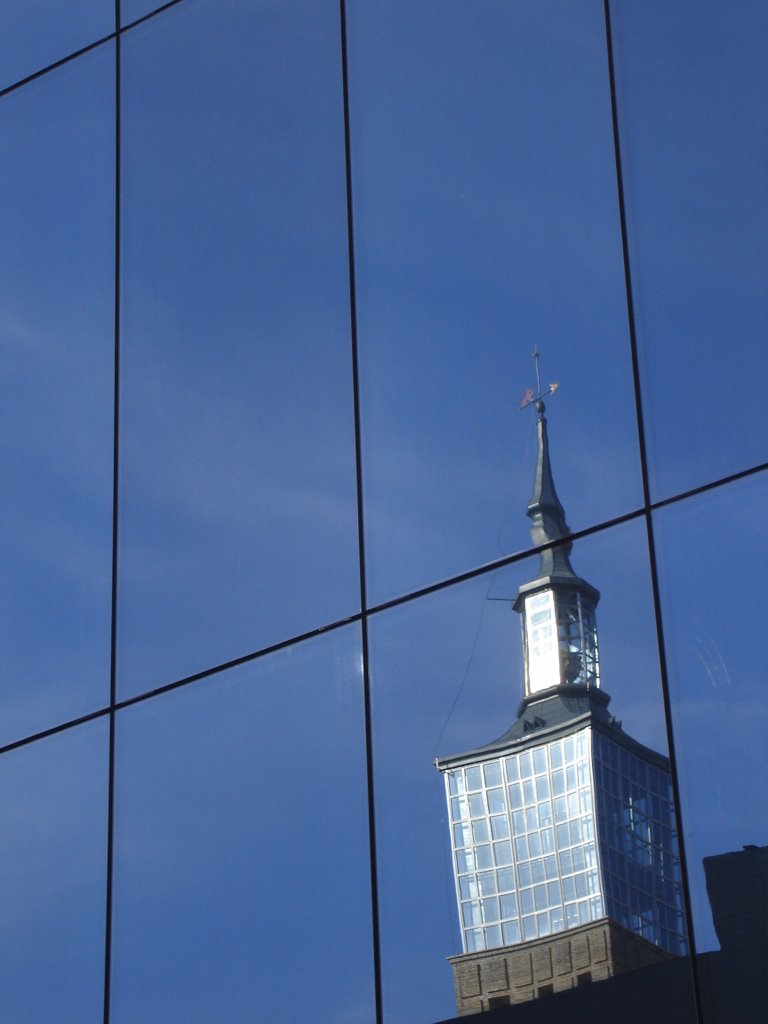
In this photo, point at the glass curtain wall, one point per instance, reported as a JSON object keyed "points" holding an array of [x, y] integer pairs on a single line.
{"points": [[277, 278]]}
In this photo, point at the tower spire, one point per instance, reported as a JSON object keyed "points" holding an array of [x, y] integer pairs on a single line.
{"points": [[545, 510], [531, 851], [557, 606]]}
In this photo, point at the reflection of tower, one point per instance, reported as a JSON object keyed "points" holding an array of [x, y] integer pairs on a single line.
{"points": [[563, 834]]}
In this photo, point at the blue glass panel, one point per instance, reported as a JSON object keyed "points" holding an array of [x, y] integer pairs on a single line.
{"points": [[508, 906], [132, 10], [447, 675], [490, 908], [238, 497], [487, 883], [496, 801], [56, 393], [476, 805], [53, 866], [480, 831], [692, 99], [713, 552], [462, 835], [471, 914], [468, 888], [502, 853], [506, 879], [500, 827], [484, 855], [486, 221], [458, 808], [36, 33], [213, 907], [538, 870], [456, 780]]}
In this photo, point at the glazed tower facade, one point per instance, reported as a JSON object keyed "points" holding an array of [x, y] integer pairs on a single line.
{"points": [[562, 830]]}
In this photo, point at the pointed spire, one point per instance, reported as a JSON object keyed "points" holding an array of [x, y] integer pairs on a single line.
{"points": [[545, 510], [558, 607]]}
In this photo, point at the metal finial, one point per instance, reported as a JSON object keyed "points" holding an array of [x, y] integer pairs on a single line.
{"points": [[529, 398]]}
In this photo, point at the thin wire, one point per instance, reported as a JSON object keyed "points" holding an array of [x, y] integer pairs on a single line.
{"points": [[469, 663], [505, 519]]}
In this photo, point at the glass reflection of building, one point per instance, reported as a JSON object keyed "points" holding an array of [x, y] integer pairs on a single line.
{"points": [[563, 830], [249, 448]]}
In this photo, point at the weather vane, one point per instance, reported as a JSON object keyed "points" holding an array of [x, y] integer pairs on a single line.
{"points": [[529, 398]]}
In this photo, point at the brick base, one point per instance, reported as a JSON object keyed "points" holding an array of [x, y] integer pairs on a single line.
{"points": [[516, 974]]}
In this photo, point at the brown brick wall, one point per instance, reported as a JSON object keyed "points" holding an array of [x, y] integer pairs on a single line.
{"points": [[592, 952]]}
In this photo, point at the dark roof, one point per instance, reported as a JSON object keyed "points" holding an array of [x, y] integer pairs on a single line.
{"points": [[544, 500], [550, 714]]}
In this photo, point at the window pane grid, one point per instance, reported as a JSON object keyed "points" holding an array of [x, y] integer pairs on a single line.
{"points": [[527, 889], [639, 846]]}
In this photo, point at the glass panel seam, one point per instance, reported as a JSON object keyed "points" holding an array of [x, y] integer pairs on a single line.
{"points": [[394, 603], [647, 511], [366, 680], [151, 14], [56, 64], [115, 531]]}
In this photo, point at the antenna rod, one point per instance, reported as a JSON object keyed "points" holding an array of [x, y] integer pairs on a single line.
{"points": [[529, 398], [535, 355]]}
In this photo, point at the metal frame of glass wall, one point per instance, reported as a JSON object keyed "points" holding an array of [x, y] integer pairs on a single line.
{"points": [[645, 513]]}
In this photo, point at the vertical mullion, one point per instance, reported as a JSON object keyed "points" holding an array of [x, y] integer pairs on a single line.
{"points": [[360, 519], [115, 504], [647, 514]]}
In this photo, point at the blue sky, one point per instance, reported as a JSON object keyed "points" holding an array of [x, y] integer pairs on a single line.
{"points": [[486, 222]]}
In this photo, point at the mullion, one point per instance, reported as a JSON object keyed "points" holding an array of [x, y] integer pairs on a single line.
{"points": [[647, 513]]}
